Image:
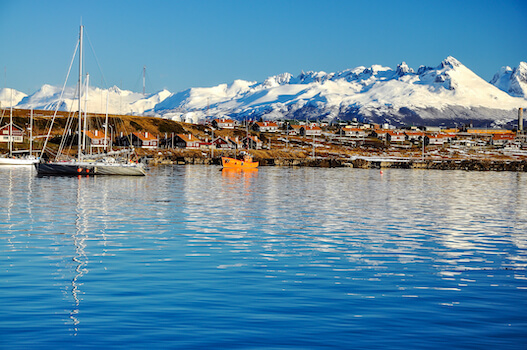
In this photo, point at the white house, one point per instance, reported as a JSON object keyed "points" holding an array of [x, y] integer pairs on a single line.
{"points": [[223, 123], [265, 127], [310, 130], [354, 132], [395, 136]]}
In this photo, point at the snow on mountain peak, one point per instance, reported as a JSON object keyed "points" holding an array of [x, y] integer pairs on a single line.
{"points": [[520, 73], [277, 80], [403, 69], [313, 77], [512, 81], [114, 89], [10, 97], [450, 62]]}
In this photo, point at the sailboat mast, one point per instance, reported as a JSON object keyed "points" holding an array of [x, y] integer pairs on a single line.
{"points": [[31, 133], [85, 126], [106, 123], [144, 75], [79, 152], [11, 126]]}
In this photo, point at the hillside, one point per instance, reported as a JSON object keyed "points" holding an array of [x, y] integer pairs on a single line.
{"points": [[120, 123]]}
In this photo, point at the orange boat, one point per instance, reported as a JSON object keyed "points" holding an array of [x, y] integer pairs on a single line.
{"points": [[245, 163]]}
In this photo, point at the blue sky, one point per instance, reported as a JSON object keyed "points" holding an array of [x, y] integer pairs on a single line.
{"points": [[200, 43]]}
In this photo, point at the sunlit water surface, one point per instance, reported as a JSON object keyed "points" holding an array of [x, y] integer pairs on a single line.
{"points": [[281, 258]]}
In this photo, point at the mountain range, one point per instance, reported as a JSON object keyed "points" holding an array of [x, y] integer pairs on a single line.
{"points": [[449, 94]]}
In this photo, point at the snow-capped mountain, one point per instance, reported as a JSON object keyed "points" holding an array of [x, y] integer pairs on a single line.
{"points": [[149, 102], [118, 101], [10, 97], [447, 94], [512, 81]]}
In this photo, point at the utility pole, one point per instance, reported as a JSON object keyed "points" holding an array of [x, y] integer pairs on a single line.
{"points": [[313, 143], [423, 156], [246, 133]]}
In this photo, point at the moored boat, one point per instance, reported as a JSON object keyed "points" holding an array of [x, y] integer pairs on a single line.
{"points": [[82, 165], [11, 132], [104, 167], [29, 160], [245, 163]]}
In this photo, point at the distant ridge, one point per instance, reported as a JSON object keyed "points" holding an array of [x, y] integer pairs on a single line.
{"points": [[447, 94]]}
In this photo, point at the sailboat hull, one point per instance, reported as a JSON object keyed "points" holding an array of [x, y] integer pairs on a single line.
{"points": [[18, 161], [91, 168]]}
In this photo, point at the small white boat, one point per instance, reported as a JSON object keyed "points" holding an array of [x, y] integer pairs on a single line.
{"points": [[10, 158], [29, 160]]}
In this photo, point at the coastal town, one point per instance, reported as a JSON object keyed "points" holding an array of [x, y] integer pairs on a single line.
{"points": [[285, 142]]}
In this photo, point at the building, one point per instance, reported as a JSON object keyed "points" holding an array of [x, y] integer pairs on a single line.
{"points": [[414, 136], [310, 130], [353, 132], [13, 134], [222, 143], [95, 138], [144, 140], [265, 127], [252, 142], [234, 142], [294, 130], [502, 139], [437, 139], [223, 123], [188, 141], [395, 136], [476, 132], [381, 134]]}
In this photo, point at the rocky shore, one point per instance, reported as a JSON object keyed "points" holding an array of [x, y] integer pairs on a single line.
{"points": [[357, 162]]}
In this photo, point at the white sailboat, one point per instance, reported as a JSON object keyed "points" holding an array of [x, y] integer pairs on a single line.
{"points": [[10, 158], [83, 165]]}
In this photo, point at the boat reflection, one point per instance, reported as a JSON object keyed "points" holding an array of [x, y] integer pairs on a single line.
{"points": [[239, 173]]}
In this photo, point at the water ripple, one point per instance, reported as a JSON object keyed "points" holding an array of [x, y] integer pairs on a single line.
{"points": [[190, 257]]}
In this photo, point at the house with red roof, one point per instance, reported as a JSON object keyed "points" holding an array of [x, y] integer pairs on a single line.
{"points": [[252, 142], [265, 127], [294, 129], [414, 136], [502, 139], [188, 141], [310, 130], [15, 133], [395, 136], [381, 134], [223, 123], [95, 138], [353, 132], [437, 139], [144, 140]]}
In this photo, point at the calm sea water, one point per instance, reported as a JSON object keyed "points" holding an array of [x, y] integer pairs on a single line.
{"points": [[192, 257]]}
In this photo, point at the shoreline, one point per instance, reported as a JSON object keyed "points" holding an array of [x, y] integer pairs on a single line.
{"points": [[360, 162]]}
